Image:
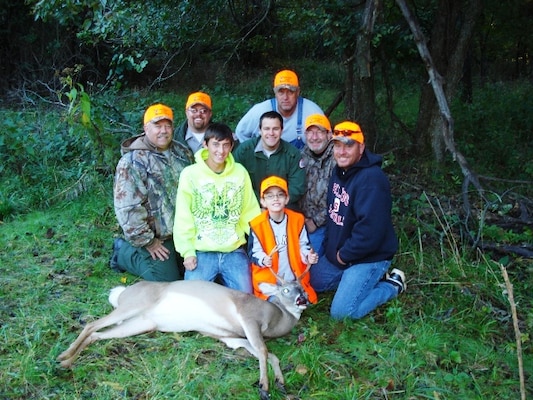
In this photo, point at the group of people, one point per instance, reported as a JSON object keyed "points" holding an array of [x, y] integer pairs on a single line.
{"points": [[285, 194]]}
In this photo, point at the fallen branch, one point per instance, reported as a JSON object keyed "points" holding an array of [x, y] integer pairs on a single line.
{"points": [[517, 333], [507, 249]]}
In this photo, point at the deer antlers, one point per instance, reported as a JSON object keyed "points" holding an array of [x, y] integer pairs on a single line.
{"points": [[275, 249], [279, 278]]}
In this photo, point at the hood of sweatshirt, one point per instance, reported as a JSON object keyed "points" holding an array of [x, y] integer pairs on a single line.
{"points": [[139, 142]]}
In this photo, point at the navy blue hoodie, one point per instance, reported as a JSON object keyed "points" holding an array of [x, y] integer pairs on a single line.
{"points": [[359, 221]]}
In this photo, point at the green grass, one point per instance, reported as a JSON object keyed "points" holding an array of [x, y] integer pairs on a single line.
{"points": [[449, 337]]}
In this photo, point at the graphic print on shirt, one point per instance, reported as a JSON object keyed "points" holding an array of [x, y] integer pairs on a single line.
{"points": [[341, 198], [217, 211], [281, 241]]}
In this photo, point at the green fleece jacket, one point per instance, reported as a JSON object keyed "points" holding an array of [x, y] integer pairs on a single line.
{"points": [[286, 163], [213, 210]]}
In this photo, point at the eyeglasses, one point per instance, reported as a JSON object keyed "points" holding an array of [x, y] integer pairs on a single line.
{"points": [[346, 133], [201, 111], [276, 196], [318, 132]]}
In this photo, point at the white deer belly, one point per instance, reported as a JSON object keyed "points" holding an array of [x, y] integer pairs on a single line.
{"points": [[183, 313]]}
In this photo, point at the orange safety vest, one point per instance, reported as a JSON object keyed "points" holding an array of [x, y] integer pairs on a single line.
{"points": [[260, 225]]}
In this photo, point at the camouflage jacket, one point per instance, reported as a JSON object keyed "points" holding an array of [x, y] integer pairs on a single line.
{"points": [[145, 187], [318, 170]]}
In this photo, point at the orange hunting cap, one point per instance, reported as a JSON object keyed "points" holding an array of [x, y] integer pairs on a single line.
{"points": [[318, 120], [198, 98], [157, 112], [274, 181], [286, 79], [348, 132]]}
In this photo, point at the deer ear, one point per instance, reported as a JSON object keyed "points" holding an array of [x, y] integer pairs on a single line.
{"points": [[268, 288]]}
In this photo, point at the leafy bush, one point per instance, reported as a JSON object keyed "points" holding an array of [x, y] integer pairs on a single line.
{"points": [[56, 154], [39, 156], [496, 130]]}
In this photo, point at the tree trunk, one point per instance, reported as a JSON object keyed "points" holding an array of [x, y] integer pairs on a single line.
{"points": [[450, 41], [364, 82], [446, 121], [349, 108], [359, 92]]}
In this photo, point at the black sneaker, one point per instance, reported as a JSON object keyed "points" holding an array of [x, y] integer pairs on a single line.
{"points": [[113, 261], [397, 278]]}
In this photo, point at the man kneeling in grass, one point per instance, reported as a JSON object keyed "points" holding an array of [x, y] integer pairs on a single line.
{"points": [[360, 241]]}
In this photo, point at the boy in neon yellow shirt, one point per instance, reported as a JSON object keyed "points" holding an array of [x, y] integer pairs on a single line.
{"points": [[214, 204]]}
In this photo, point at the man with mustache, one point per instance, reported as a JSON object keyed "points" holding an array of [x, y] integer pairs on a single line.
{"points": [[287, 101], [318, 161], [198, 111], [144, 198]]}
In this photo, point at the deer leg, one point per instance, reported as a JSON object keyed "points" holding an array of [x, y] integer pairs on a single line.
{"points": [[257, 343], [115, 317], [90, 334], [235, 343], [261, 352], [84, 339], [274, 362]]}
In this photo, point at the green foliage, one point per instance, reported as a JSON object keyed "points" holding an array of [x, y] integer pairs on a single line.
{"points": [[120, 64], [85, 117], [35, 160], [498, 123], [504, 36], [50, 155], [136, 35], [142, 42], [341, 25]]}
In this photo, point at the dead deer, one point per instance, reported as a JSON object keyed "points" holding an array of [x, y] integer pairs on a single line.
{"points": [[236, 318]]}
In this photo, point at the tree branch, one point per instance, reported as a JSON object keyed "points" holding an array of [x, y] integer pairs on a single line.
{"points": [[436, 81]]}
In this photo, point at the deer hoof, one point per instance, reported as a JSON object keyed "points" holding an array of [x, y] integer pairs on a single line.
{"points": [[263, 394], [281, 387]]}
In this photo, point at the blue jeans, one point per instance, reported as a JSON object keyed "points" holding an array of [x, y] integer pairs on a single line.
{"points": [[359, 288], [316, 239], [232, 268]]}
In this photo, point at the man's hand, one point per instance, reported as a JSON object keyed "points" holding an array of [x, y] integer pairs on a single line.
{"points": [[158, 251], [340, 260]]}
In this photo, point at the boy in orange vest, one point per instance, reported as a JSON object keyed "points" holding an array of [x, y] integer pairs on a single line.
{"points": [[278, 239]]}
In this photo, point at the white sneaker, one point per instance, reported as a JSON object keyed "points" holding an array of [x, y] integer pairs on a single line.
{"points": [[397, 278]]}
